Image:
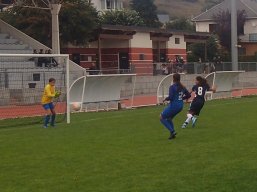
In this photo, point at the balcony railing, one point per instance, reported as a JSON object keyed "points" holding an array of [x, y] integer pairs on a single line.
{"points": [[249, 38]]}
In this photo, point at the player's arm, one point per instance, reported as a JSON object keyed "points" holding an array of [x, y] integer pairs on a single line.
{"points": [[171, 94], [49, 93], [187, 95], [213, 88]]}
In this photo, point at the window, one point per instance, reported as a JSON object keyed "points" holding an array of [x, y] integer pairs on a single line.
{"points": [[213, 28], [253, 37], [36, 77], [111, 4], [177, 40], [141, 57], [242, 51], [108, 4]]}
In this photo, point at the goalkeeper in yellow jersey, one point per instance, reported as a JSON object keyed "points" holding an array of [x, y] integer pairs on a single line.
{"points": [[47, 102]]}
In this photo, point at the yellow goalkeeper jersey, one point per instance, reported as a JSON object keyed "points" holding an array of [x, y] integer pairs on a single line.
{"points": [[48, 95]]}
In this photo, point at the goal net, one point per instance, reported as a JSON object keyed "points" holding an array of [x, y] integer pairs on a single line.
{"points": [[24, 76], [22, 81]]}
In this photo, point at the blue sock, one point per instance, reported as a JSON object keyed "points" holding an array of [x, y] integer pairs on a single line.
{"points": [[53, 120], [47, 118], [168, 124], [171, 125]]}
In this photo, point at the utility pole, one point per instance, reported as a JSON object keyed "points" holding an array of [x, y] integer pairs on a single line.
{"points": [[234, 36]]}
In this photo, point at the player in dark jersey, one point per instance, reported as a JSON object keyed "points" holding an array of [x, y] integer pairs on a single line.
{"points": [[200, 89], [177, 93]]}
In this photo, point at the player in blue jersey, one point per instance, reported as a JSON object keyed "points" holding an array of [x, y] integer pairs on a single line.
{"points": [[177, 93], [200, 88]]}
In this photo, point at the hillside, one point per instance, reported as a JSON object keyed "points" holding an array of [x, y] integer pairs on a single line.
{"points": [[178, 8]]}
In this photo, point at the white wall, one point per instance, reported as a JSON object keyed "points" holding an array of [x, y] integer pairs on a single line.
{"points": [[97, 4], [203, 26], [250, 26], [115, 44], [141, 40], [172, 45]]}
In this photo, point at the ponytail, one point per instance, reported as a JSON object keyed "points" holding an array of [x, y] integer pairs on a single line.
{"points": [[176, 79]]}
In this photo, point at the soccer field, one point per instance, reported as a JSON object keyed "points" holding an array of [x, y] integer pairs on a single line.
{"points": [[128, 151]]}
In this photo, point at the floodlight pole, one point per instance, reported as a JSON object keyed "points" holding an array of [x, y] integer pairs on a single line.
{"points": [[55, 9], [234, 36]]}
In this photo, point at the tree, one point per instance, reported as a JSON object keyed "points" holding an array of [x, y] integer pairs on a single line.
{"points": [[223, 29], [181, 24], [78, 18], [121, 17], [147, 10], [33, 22], [198, 49]]}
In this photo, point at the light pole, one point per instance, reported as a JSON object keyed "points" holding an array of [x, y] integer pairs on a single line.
{"points": [[55, 9], [234, 37]]}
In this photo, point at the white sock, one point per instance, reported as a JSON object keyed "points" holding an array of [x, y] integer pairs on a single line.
{"points": [[189, 117]]}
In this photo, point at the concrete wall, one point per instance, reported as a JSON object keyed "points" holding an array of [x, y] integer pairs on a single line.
{"points": [[173, 45], [141, 40], [97, 4], [147, 85], [203, 26], [250, 48], [250, 26]]}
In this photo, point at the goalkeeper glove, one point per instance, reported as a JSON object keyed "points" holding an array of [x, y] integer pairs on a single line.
{"points": [[57, 94]]}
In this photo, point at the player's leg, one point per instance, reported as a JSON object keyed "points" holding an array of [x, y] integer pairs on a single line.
{"points": [[48, 114], [187, 121], [166, 119], [197, 113], [53, 114], [190, 114]]}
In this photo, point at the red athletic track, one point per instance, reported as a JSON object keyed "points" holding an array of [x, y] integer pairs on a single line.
{"points": [[37, 110]]}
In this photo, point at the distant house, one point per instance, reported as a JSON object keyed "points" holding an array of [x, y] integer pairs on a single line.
{"points": [[102, 5], [128, 47], [206, 23]]}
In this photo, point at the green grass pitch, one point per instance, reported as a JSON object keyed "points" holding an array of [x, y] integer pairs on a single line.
{"points": [[128, 151]]}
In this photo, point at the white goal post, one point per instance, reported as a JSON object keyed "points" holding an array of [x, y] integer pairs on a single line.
{"points": [[23, 77]]}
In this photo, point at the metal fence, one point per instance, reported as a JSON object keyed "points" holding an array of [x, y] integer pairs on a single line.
{"points": [[200, 68]]}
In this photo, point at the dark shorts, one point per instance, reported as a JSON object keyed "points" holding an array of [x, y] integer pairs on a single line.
{"points": [[196, 107], [171, 111], [48, 106]]}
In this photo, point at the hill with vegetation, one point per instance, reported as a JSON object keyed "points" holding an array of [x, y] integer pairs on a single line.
{"points": [[182, 8]]}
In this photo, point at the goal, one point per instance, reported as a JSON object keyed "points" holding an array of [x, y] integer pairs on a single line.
{"points": [[22, 80], [24, 76]]}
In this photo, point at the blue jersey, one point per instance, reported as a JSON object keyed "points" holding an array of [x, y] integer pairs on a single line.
{"points": [[176, 95], [200, 91]]}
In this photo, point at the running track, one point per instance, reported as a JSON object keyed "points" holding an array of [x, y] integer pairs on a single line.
{"points": [[37, 110]]}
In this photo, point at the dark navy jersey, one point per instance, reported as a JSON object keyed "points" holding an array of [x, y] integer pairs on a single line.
{"points": [[200, 91], [176, 95]]}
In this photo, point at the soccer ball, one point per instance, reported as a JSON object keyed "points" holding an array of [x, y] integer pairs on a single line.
{"points": [[76, 106]]}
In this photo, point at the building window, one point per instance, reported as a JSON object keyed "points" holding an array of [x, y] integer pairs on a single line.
{"points": [[36, 77], [213, 28], [141, 57], [111, 4], [253, 37], [108, 4], [242, 51], [177, 40]]}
